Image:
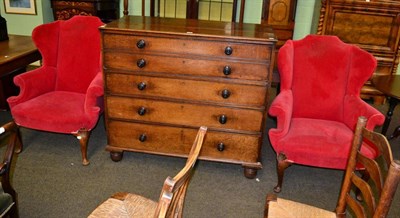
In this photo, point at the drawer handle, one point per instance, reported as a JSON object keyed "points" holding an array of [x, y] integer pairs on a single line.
{"points": [[141, 111], [227, 70], [221, 146], [142, 137], [225, 93], [228, 50], [141, 86], [223, 119], [141, 44], [141, 63]]}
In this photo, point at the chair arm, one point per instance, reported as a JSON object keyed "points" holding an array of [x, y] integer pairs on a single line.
{"points": [[33, 84], [354, 107], [281, 108], [94, 100], [8, 130]]}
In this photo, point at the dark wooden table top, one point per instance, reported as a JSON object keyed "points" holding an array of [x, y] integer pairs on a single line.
{"points": [[388, 85], [17, 52]]}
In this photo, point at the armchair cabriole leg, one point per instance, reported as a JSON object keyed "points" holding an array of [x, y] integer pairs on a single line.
{"points": [[83, 136], [282, 164]]}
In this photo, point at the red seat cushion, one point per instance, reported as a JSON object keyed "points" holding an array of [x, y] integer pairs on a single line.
{"points": [[42, 113], [310, 139]]}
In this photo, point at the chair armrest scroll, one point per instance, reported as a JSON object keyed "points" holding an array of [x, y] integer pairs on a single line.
{"points": [[33, 84], [282, 108], [94, 96], [354, 107]]}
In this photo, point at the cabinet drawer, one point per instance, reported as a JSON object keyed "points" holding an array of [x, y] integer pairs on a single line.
{"points": [[188, 46], [178, 141], [186, 66], [195, 90], [184, 114]]}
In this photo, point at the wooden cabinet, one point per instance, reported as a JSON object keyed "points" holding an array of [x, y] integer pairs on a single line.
{"points": [[165, 77], [106, 10], [371, 24]]}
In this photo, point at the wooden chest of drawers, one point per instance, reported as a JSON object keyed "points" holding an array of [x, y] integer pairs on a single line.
{"points": [[166, 77]]}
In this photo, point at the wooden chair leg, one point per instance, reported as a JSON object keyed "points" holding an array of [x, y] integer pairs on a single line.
{"points": [[18, 145], [83, 136], [395, 133], [282, 164]]}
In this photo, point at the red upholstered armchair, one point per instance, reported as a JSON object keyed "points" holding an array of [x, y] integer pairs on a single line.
{"points": [[65, 94], [319, 104]]}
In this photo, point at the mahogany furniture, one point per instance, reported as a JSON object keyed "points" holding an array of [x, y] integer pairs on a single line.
{"points": [[172, 197], [373, 25], [165, 77], [315, 125], [65, 94], [106, 10], [376, 191], [390, 86], [9, 136], [15, 54], [279, 14]]}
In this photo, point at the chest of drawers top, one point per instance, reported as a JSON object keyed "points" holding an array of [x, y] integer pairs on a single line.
{"points": [[191, 27]]}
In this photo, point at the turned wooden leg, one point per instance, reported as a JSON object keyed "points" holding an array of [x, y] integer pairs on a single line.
{"points": [[282, 164], [250, 173], [83, 136], [116, 156]]}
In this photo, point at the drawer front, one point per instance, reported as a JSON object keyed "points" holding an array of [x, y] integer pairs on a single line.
{"points": [[186, 66], [184, 114], [186, 89], [178, 141], [189, 46]]}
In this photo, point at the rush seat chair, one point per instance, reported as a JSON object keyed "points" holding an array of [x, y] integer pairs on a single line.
{"points": [[64, 95], [319, 103], [172, 196]]}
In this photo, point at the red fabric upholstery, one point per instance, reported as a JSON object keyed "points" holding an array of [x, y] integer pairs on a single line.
{"points": [[65, 93], [319, 104]]}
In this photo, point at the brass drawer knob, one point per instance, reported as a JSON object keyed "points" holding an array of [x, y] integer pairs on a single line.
{"points": [[141, 86], [223, 119], [225, 93], [142, 137], [141, 44], [228, 50], [227, 70], [141, 63], [141, 111], [221, 146]]}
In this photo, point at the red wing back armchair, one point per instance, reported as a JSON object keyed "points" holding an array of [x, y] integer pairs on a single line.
{"points": [[65, 94], [319, 104]]}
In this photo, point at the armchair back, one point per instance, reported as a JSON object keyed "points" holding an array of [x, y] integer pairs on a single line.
{"points": [[324, 71], [72, 49]]}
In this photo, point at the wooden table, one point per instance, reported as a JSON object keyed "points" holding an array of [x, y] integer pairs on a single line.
{"points": [[15, 54], [390, 86]]}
